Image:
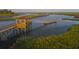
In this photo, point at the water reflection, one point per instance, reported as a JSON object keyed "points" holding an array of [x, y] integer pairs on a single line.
{"points": [[39, 29], [60, 26]]}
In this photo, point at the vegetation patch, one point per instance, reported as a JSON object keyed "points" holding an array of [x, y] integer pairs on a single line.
{"points": [[66, 40], [6, 19]]}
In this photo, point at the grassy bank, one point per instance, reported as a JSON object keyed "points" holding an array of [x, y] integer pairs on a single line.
{"points": [[74, 19], [7, 19], [69, 39], [66, 13], [42, 14], [30, 16]]}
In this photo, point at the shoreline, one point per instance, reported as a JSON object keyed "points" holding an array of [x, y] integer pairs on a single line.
{"points": [[30, 16], [65, 40]]}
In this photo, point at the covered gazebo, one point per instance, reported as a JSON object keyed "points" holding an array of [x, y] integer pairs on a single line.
{"points": [[23, 22]]}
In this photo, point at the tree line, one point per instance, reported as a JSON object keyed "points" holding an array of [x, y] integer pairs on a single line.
{"points": [[6, 12]]}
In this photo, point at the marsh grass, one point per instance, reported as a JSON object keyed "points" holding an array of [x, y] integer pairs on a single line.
{"points": [[68, 40], [30, 16]]}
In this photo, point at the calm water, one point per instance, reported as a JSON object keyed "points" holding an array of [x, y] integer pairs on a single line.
{"points": [[38, 29], [52, 29], [6, 23]]}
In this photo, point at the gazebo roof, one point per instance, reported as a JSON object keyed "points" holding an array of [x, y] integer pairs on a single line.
{"points": [[23, 17]]}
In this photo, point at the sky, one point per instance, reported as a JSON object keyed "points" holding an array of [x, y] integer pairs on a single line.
{"points": [[45, 10]]}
